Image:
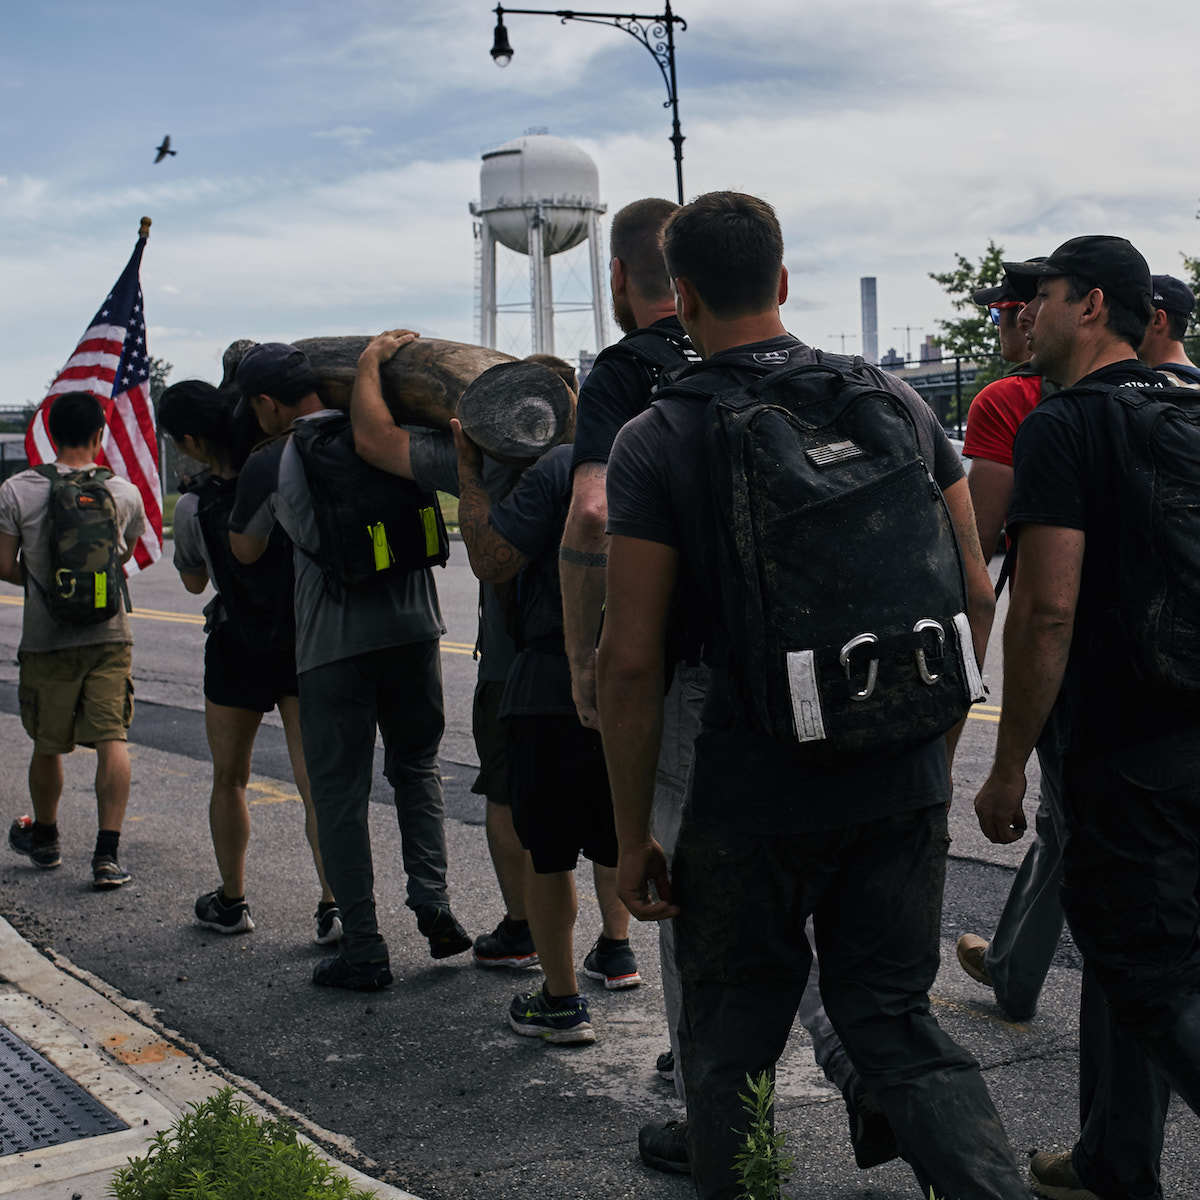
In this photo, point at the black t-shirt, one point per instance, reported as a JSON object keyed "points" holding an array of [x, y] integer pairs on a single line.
{"points": [[532, 517], [1065, 474], [658, 490], [617, 389]]}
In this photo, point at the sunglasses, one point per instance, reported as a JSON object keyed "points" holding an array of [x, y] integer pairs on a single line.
{"points": [[995, 310]]}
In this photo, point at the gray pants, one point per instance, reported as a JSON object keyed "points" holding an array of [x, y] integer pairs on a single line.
{"points": [[681, 724], [1031, 922], [398, 689]]}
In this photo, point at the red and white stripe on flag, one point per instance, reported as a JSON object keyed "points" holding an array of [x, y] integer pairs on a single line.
{"points": [[112, 362]]}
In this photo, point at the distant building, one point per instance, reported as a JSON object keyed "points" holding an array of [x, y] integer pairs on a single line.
{"points": [[586, 361], [870, 319], [930, 350], [892, 360]]}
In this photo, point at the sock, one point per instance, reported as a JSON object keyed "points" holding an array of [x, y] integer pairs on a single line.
{"points": [[513, 925], [603, 942], [225, 901], [551, 998], [106, 843], [325, 905], [43, 835]]}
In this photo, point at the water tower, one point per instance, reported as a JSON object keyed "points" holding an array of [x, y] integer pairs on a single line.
{"points": [[538, 197]]}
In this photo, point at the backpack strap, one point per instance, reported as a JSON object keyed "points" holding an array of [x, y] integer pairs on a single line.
{"points": [[658, 349]]}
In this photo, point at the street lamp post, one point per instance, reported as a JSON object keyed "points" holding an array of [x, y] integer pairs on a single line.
{"points": [[656, 32]]}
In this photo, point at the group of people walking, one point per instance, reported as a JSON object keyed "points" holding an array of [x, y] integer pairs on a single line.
{"points": [[728, 638]]}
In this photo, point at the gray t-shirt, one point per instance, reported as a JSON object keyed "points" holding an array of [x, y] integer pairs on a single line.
{"points": [[396, 611], [24, 506], [191, 552], [435, 468]]}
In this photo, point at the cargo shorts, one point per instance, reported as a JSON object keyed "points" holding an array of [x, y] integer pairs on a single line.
{"points": [[78, 696]]}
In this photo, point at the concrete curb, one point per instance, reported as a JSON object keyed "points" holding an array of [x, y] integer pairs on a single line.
{"points": [[145, 1073]]}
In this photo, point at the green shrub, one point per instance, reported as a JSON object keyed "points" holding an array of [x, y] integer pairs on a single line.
{"points": [[761, 1165], [219, 1150]]}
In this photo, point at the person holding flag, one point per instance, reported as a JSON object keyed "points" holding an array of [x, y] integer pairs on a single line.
{"points": [[85, 514]]}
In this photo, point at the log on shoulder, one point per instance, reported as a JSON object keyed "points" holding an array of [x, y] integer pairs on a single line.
{"points": [[424, 383]]}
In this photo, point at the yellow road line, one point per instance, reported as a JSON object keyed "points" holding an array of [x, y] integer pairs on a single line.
{"points": [[178, 618]]}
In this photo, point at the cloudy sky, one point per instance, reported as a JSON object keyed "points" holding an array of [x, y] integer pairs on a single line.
{"points": [[328, 150]]}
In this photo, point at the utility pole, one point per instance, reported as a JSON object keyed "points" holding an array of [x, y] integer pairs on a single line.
{"points": [[908, 332], [843, 337]]}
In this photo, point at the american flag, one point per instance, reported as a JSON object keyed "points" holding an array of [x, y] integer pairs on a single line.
{"points": [[112, 362]]}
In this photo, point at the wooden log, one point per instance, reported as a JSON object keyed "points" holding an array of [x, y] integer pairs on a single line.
{"points": [[424, 382]]}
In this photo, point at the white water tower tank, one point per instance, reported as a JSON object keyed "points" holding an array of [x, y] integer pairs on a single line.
{"points": [[539, 170], [538, 196]]}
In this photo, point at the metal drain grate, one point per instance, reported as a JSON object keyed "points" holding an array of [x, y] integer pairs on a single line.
{"points": [[40, 1106]]}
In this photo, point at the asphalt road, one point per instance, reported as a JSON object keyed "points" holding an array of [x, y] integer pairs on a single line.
{"points": [[426, 1078]]}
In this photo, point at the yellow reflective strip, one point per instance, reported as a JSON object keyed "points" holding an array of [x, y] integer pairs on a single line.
{"points": [[101, 600], [379, 545], [429, 519]]}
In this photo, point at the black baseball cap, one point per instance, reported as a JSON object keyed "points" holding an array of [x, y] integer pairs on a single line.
{"points": [[276, 369], [1112, 264], [1173, 295], [1001, 293]]}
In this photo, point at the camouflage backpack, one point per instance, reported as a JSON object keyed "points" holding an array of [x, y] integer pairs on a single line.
{"points": [[86, 582]]}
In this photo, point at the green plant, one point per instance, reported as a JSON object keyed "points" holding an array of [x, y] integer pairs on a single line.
{"points": [[218, 1150], [761, 1165]]}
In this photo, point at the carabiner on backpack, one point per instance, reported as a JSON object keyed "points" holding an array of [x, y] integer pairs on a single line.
{"points": [[927, 676], [863, 639]]}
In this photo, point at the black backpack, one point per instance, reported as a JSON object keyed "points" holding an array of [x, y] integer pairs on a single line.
{"points": [[87, 578], [373, 525], [1156, 451], [840, 573], [259, 597], [656, 349]]}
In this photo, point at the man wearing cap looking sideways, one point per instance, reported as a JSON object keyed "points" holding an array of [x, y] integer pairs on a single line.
{"points": [[1130, 748], [1014, 963], [1162, 347]]}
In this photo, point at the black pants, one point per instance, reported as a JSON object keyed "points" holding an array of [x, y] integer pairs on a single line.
{"points": [[1131, 892], [875, 894], [400, 690]]}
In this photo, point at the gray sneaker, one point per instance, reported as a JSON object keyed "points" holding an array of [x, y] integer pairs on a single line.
{"points": [[108, 873]]}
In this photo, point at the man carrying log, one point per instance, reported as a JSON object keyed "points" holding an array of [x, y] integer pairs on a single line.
{"points": [[366, 657]]}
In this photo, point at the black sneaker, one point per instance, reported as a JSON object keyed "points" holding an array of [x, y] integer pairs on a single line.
{"points": [[20, 838], [328, 922], [563, 1020], [446, 936], [510, 944], [213, 912], [664, 1064], [108, 873], [613, 962], [339, 972], [871, 1135], [663, 1146]]}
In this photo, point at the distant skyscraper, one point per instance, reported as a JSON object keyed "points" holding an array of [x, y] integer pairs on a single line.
{"points": [[930, 350], [870, 320]]}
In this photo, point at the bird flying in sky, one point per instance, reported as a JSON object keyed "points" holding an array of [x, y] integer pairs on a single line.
{"points": [[164, 149]]}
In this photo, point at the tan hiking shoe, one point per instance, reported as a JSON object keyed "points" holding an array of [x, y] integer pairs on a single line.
{"points": [[972, 950], [1053, 1175]]}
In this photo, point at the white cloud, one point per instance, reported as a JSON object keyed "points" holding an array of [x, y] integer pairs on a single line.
{"points": [[349, 135]]}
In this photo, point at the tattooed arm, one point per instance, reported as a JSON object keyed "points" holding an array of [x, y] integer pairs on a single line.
{"points": [[494, 559]]}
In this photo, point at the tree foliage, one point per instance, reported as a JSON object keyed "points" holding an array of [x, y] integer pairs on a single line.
{"points": [[971, 334]]}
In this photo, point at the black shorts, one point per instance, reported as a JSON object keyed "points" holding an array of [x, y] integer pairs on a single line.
{"points": [[237, 675], [491, 743], [560, 798]]}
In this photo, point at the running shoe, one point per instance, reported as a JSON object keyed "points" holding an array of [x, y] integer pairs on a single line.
{"points": [[340, 972], [328, 921], [213, 912], [663, 1146], [563, 1021], [446, 936], [510, 944], [1053, 1175], [20, 838], [664, 1064], [108, 873], [613, 962]]}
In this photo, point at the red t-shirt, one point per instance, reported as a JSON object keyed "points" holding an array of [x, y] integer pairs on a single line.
{"points": [[995, 415]]}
